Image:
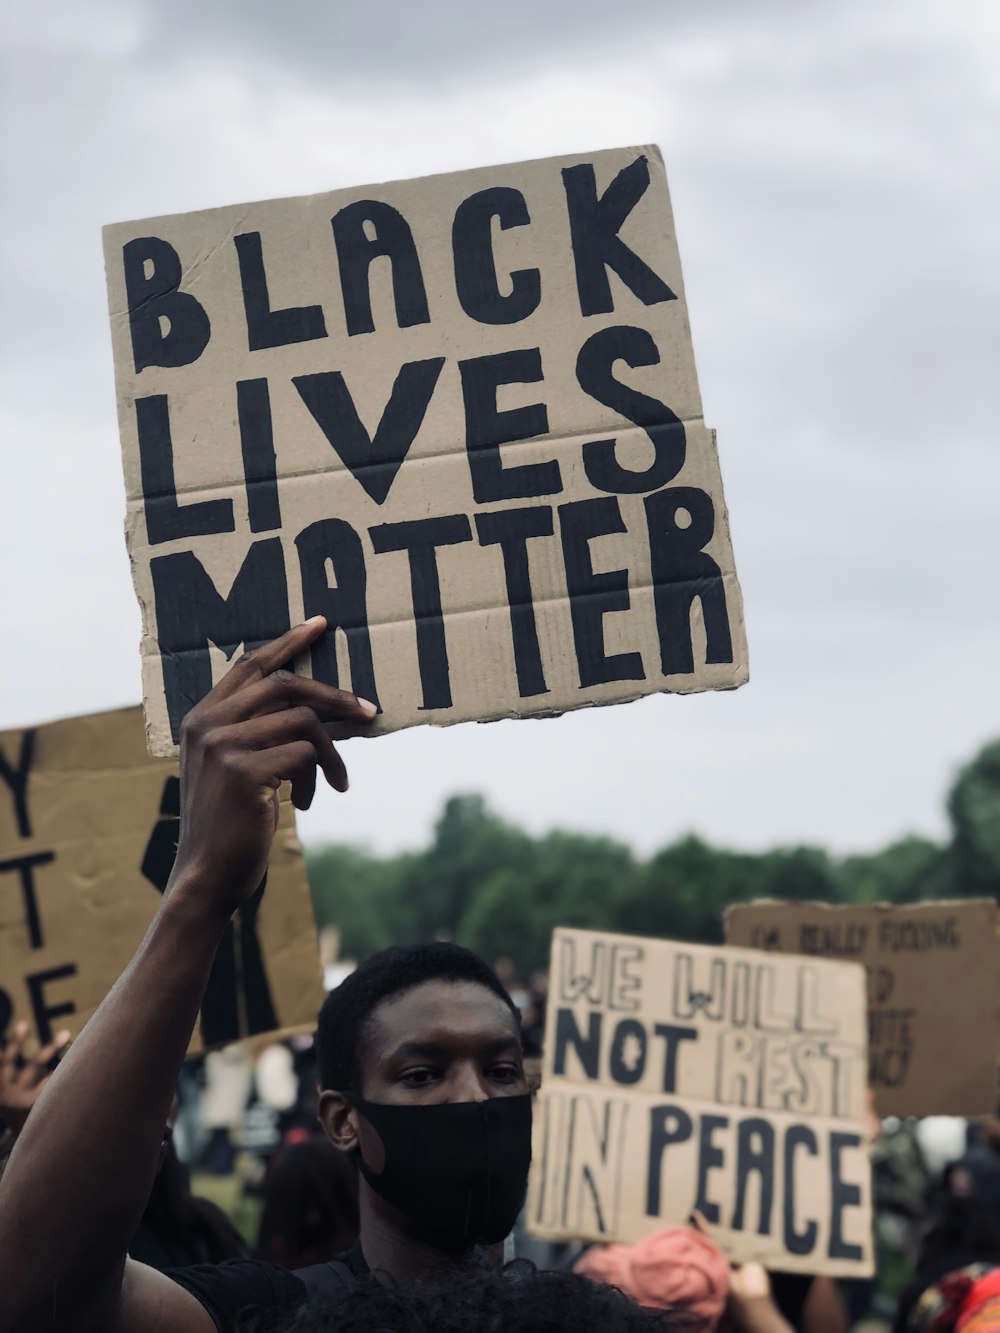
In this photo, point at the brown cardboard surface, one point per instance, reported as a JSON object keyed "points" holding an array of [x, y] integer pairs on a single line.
{"points": [[933, 991], [678, 1076], [84, 854], [246, 339]]}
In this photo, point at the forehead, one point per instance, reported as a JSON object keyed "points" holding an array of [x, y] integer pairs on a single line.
{"points": [[455, 1013]]}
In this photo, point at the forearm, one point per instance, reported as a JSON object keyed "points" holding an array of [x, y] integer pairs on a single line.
{"points": [[759, 1315], [79, 1176]]}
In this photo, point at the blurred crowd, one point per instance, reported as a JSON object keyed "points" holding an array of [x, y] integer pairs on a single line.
{"points": [[244, 1131]]}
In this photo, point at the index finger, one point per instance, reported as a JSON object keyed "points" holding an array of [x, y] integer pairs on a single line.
{"points": [[260, 662]]}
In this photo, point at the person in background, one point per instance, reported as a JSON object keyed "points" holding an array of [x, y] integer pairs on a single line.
{"points": [[957, 1269], [809, 1302], [682, 1268], [310, 1212], [228, 1081], [179, 1229], [21, 1080], [677, 1268]]}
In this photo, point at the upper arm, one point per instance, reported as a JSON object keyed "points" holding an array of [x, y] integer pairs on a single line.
{"points": [[153, 1303]]}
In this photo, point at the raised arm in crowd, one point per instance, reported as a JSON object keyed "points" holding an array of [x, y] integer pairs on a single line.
{"points": [[79, 1175]]}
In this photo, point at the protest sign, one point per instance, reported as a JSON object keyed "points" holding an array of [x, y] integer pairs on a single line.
{"points": [[679, 1076], [933, 991], [88, 833], [458, 416]]}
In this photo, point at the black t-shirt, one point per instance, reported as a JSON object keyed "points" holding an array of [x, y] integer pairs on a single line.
{"points": [[242, 1291]]}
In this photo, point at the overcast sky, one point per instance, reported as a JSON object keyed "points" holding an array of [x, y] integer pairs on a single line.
{"points": [[836, 185]]}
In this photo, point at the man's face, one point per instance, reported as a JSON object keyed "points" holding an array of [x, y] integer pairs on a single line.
{"points": [[442, 1041]]}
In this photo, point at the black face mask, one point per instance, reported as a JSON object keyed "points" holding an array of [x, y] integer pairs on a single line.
{"points": [[457, 1170]]}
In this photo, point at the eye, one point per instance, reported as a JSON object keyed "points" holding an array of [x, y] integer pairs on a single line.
{"points": [[417, 1078], [505, 1073]]}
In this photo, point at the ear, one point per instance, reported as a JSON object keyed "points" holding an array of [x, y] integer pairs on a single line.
{"points": [[339, 1120]]}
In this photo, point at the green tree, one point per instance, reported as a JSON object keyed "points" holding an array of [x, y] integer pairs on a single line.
{"points": [[910, 870], [683, 891], [470, 844], [974, 807], [572, 880], [360, 894]]}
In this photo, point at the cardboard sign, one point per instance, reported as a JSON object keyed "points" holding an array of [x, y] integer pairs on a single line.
{"points": [[88, 834], [678, 1076], [933, 991], [458, 416]]}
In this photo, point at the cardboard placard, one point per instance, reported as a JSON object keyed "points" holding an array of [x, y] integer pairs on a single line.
{"points": [[679, 1076], [933, 991], [88, 834], [458, 416]]}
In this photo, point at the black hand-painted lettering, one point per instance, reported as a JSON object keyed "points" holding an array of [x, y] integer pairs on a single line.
{"points": [[672, 1036], [43, 1011], [594, 226], [166, 520], [594, 367], [260, 463], [586, 1048], [16, 778], [420, 539], [667, 1125], [191, 614], [754, 1153], [267, 327], [593, 596], [629, 1046], [710, 1157], [356, 249], [24, 866], [475, 264], [511, 529], [332, 547], [154, 300], [683, 570], [590, 979], [842, 1195], [487, 428], [373, 460], [797, 1241], [691, 999]]}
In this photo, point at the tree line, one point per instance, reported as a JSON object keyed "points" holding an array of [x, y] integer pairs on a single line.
{"points": [[501, 891]]}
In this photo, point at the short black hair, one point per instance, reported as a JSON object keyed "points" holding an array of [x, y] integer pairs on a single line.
{"points": [[385, 974], [517, 1299]]}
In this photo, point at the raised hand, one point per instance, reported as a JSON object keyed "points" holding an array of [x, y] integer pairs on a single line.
{"points": [[261, 725], [21, 1077]]}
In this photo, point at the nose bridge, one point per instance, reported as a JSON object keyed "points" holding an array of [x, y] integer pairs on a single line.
{"points": [[469, 1083]]}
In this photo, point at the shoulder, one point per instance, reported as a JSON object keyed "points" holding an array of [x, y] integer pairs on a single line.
{"points": [[234, 1291]]}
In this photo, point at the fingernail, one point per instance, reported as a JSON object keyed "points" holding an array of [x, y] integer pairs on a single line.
{"points": [[62, 1036], [315, 620], [367, 706]]}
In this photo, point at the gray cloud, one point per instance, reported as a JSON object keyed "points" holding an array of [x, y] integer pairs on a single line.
{"points": [[834, 180]]}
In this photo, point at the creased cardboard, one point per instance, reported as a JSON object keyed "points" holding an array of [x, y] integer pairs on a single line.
{"points": [[678, 1076], [459, 416], [933, 991], [88, 834]]}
